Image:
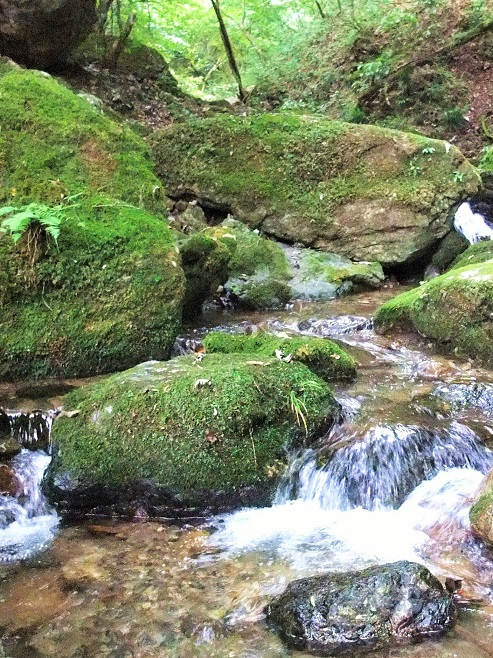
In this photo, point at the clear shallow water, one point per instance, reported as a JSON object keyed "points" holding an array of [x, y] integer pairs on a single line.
{"points": [[157, 590]]}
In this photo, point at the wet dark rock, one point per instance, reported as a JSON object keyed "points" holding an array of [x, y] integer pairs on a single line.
{"points": [[42, 33], [339, 614], [477, 395], [78, 497], [342, 324], [9, 484], [8, 447]]}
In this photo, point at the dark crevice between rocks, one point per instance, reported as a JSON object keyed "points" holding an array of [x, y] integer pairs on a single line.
{"points": [[214, 212], [413, 270]]}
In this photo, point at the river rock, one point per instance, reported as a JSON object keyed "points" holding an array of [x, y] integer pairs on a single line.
{"points": [[481, 512], [365, 192], [454, 309], [318, 275], [42, 33], [9, 447], [109, 293], [359, 611], [322, 356], [9, 483], [185, 436], [476, 395]]}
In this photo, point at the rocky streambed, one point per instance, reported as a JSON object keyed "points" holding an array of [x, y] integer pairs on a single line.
{"points": [[200, 587]]}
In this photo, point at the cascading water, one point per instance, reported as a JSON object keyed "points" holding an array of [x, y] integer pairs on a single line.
{"points": [[390, 492], [472, 225], [27, 524], [380, 469]]}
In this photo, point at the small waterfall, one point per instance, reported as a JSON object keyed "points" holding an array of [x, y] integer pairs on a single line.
{"points": [[30, 429], [472, 225], [384, 466], [27, 524]]}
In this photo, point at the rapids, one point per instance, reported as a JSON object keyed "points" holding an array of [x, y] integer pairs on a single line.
{"points": [[393, 480]]}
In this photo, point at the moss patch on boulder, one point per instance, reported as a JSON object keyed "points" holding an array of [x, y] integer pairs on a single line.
{"points": [[254, 268], [481, 512], [219, 424], [454, 309], [476, 253], [109, 294], [318, 275], [321, 355], [365, 192]]}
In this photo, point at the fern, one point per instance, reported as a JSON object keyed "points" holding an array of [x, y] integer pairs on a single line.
{"points": [[48, 218]]}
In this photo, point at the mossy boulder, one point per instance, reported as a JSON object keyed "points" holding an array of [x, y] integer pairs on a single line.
{"points": [[109, 293], [481, 512], [476, 253], [252, 267], [203, 433], [321, 355], [318, 275], [454, 309], [259, 271], [367, 193], [53, 145], [205, 262]]}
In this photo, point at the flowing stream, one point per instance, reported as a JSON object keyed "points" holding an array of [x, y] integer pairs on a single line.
{"points": [[393, 480]]}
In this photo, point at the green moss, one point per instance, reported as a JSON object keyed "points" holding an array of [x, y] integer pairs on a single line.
{"points": [[455, 309], [109, 295], [336, 269], [253, 267], [54, 145], [476, 253], [217, 424], [394, 313], [205, 262], [482, 509], [324, 357], [299, 177]]}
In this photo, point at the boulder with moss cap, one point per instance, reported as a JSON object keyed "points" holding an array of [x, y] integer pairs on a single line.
{"points": [[109, 293], [365, 192], [184, 436]]}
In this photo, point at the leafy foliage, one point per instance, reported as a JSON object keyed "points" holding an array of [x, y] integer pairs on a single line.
{"points": [[34, 217]]}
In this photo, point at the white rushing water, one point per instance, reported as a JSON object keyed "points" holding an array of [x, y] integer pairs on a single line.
{"points": [[472, 225], [27, 524], [316, 540]]}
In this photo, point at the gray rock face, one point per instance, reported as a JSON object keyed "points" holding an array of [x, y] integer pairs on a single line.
{"points": [[364, 610], [42, 33]]}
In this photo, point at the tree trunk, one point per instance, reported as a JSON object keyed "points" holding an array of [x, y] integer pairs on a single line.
{"points": [[229, 50], [111, 59]]}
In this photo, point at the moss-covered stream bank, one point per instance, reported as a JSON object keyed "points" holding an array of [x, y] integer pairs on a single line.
{"points": [[171, 590]]}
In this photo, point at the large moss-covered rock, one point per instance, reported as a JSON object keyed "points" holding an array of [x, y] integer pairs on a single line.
{"points": [[321, 355], [481, 512], [43, 32], [109, 293], [365, 192], [360, 611], [203, 432], [454, 309], [205, 262]]}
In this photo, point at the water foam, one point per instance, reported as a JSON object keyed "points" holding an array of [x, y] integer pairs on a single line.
{"points": [[471, 224]]}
